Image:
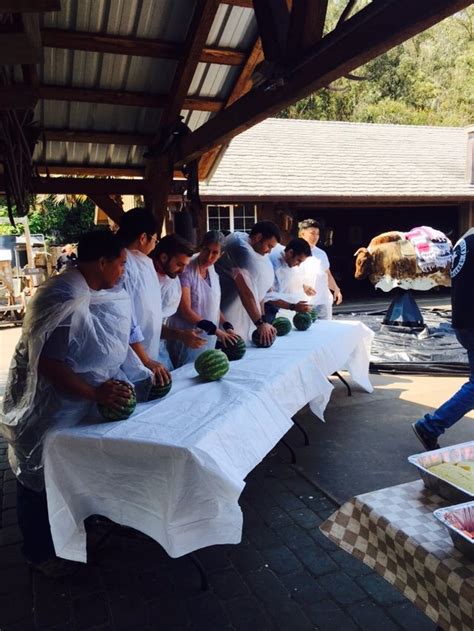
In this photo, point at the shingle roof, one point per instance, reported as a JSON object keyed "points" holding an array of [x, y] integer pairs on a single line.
{"points": [[282, 158]]}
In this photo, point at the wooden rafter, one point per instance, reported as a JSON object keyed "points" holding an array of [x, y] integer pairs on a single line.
{"points": [[109, 206], [29, 6], [96, 137], [198, 32], [369, 33], [273, 20], [135, 46], [97, 170], [307, 20], [22, 97], [119, 97], [21, 44], [241, 87], [245, 4], [81, 169]]}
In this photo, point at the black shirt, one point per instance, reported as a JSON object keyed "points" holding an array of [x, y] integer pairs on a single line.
{"points": [[462, 279]]}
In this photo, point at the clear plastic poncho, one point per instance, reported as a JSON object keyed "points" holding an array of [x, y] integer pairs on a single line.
{"points": [[205, 301], [170, 299], [143, 287], [97, 339], [257, 271]]}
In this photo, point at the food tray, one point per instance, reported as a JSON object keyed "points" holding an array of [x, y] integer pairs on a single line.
{"points": [[464, 515], [455, 453]]}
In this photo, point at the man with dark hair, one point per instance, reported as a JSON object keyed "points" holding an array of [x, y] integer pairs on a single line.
{"points": [[246, 275], [287, 290], [59, 373], [317, 277], [170, 258], [138, 233]]}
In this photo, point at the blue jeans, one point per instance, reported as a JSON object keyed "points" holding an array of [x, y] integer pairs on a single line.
{"points": [[33, 520], [460, 403]]}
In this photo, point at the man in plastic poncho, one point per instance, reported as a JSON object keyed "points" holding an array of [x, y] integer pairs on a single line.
{"points": [[317, 276], [287, 293], [138, 234], [246, 275], [74, 345], [170, 258]]}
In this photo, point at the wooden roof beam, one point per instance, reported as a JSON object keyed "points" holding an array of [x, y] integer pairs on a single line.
{"points": [[21, 42], [198, 31], [95, 170], [372, 31], [307, 21], [29, 6], [17, 97], [95, 137], [109, 206], [87, 186], [135, 46], [120, 97], [273, 21]]}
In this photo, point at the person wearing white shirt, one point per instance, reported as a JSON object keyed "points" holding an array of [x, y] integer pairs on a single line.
{"points": [[287, 292], [316, 272]]}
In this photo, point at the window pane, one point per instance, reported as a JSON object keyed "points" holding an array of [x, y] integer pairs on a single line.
{"points": [[213, 224], [212, 211], [224, 224], [239, 223], [224, 211]]}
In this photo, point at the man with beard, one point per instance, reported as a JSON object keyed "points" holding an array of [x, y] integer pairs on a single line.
{"points": [[246, 275], [170, 258]]}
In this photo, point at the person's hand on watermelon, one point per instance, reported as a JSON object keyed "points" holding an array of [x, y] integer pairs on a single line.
{"points": [[113, 393], [266, 333], [160, 372], [227, 338]]}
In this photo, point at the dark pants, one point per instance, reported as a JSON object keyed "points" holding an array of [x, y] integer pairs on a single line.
{"points": [[461, 402], [33, 521]]}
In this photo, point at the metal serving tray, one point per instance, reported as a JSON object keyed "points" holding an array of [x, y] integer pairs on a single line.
{"points": [[455, 453], [465, 514]]}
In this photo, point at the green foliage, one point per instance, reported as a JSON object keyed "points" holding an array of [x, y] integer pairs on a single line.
{"points": [[60, 222], [7, 228], [424, 81]]}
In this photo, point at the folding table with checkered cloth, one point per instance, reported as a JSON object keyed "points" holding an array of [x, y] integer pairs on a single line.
{"points": [[394, 532]]}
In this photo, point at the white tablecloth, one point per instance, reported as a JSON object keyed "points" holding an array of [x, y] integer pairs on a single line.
{"points": [[176, 468]]}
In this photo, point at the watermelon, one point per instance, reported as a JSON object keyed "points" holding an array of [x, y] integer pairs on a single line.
{"points": [[282, 326], [158, 391], [257, 342], [302, 321], [233, 351], [313, 314], [113, 414], [212, 365]]}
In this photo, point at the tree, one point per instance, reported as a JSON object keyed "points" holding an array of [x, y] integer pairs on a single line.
{"points": [[425, 81]]}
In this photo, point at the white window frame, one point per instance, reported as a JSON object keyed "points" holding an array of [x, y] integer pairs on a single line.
{"points": [[231, 213]]}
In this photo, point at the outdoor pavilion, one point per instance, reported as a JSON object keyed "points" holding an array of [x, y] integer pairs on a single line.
{"points": [[107, 83]]}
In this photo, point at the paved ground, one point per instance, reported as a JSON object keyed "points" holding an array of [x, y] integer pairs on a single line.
{"points": [[284, 575]]}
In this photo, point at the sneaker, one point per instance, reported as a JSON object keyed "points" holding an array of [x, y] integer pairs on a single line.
{"points": [[428, 441], [56, 567]]}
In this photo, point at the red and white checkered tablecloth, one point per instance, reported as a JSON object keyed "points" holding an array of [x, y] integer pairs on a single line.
{"points": [[394, 532]]}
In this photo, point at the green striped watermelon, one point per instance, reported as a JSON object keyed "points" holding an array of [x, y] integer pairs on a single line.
{"points": [[313, 315], [158, 391], [302, 321], [282, 326], [257, 342], [212, 365], [233, 351], [112, 414]]}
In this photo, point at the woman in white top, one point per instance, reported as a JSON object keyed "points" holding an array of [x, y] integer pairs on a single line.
{"points": [[200, 302]]}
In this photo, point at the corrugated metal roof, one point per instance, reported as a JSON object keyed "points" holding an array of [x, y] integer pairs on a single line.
{"points": [[301, 158], [167, 20]]}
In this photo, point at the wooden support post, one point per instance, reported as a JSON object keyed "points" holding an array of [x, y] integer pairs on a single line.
{"points": [[159, 178], [109, 206]]}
